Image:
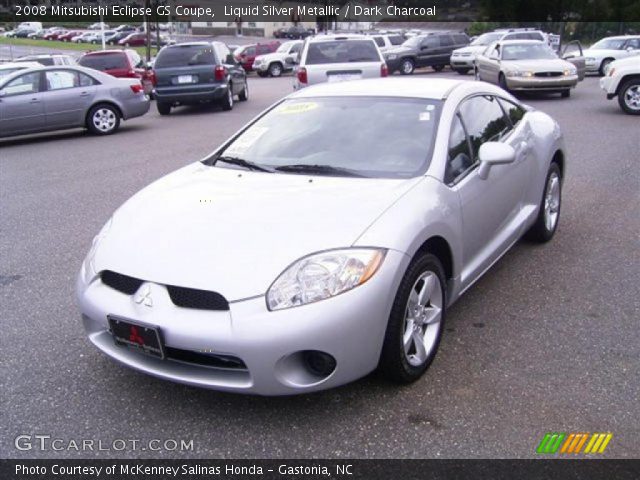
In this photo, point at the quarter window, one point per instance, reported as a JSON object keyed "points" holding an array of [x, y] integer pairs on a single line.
{"points": [[484, 121]]}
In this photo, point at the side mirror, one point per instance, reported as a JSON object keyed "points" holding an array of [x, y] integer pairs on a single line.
{"points": [[629, 49], [494, 153]]}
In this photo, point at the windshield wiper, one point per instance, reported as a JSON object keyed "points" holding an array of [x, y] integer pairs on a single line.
{"points": [[241, 162], [319, 170]]}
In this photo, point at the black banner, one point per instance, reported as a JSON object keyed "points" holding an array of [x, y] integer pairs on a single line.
{"points": [[121, 11], [586, 469]]}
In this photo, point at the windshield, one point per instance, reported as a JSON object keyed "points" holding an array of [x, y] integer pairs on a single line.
{"points": [[284, 48], [527, 52], [367, 136], [342, 51], [486, 39], [106, 61], [608, 44]]}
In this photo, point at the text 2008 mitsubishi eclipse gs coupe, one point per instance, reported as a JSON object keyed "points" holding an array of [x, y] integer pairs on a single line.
{"points": [[324, 239]]}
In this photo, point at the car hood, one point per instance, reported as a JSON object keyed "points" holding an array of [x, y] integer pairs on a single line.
{"points": [[234, 231], [633, 61], [476, 49], [601, 53], [541, 65], [269, 57]]}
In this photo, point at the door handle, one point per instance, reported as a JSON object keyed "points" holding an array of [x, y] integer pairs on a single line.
{"points": [[35, 100], [84, 94]]}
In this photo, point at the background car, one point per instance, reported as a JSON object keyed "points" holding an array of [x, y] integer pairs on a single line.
{"points": [[293, 32], [54, 98], [387, 41], [138, 39], [68, 35], [98, 26], [49, 60], [119, 63], [278, 62], [338, 58], [246, 54], [434, 180], [54, 33], [84, 37], [605, 51], [96, 37], [526, 65], [622, 80], [424, 50], [198, 72]]}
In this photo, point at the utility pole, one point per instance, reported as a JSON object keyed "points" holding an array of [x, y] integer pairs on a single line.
{"points": [[147, 30]]}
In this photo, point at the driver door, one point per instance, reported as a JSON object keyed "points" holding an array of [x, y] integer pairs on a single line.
{"points": [[489, 64], [572, 53], [491, 207]]}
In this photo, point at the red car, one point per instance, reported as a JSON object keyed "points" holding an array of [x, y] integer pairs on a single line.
{"points": [[119, 63], [246, 54], [53, 35], [68, 35], [138, 39]]}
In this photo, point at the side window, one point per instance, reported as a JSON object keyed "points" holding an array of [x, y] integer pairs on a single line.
{"points": [[61, 79], [250, 51], [136, 60], [379, 41], [446, 41], [29, 83], [296, 48], [513, 111], [535, 36], [633, 43], [429, 43], [484, 120], [459, 158], [460, 39]]}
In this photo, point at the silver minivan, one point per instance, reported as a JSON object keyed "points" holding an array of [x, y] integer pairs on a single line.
{"points": [[338, 58]]}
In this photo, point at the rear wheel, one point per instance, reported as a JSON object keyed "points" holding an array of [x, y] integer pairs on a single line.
{"points": [[227, 101], [629, 96], [415, 324], [243, 96], [407, 66], [275, 69], [603, 65], [549, 209], [438, 68], [163, 108], [502, 81], [103, 119]]}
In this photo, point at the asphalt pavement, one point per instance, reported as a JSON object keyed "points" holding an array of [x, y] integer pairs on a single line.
{"points": [[547, 340]]}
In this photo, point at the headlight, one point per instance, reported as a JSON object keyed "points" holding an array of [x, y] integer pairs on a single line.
{"points": [[323, 275], [519, 73], [392, 56], [88, 267], [570, 71]]}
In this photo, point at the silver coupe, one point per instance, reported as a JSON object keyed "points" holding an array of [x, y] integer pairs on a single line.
{"points": [[325, 239]]}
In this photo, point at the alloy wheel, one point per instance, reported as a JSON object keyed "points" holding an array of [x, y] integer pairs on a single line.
{"points": [[552, 201], [423, 315], [104, 120], [632, 97]]}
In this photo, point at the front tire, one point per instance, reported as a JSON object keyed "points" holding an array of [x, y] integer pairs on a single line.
{"points": [[416, 321], [103, 119], [629, 96], [549, 210], [603, 66], [566, 93], [407, 66], [502, 82]]}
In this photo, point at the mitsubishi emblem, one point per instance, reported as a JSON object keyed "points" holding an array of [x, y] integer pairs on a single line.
{"points": [[143, 297]]}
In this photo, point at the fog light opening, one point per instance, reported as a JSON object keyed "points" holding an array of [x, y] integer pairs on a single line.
{"points": [[319, 363]]}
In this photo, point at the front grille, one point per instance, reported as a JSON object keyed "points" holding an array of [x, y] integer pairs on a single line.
{"points": [[205, 359], [180, 296], [199, 299], [548, 74], [121, 283]]}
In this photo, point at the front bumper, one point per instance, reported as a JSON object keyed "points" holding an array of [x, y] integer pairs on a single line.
{"points": [[393, 65], [542, 84], [609, 86], [260, 67], [462, 62], [350, 327]]}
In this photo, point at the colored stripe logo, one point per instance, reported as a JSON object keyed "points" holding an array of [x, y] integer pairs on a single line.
{"points": [[573, 443]]}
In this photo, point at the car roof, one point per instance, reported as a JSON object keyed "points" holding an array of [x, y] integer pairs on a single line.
{"points": [[105, 52], [19, 64], [521, 42], [44, 55], [339, 36], [621, 37], [435, 89]]}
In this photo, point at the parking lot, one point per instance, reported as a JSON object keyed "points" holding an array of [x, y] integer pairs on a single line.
{"points": [[546, 341]]}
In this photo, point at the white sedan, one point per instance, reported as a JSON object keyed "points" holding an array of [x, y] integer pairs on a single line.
{"points": [[325, 239]]}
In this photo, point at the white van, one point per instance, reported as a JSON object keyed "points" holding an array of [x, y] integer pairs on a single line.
{"points": [[33, 26]]}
